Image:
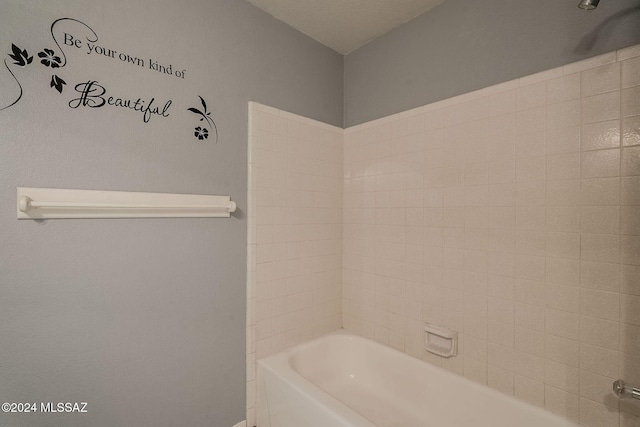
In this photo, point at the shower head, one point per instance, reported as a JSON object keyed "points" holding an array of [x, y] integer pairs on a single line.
{"points": [[588, 4]]}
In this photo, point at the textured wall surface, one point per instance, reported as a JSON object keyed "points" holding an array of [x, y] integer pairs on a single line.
{"points": [[511, 215], [461, 46], [142, 319]]}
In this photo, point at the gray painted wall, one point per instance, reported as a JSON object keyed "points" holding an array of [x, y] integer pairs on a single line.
{"points": [[143, 319], [463, 45]]}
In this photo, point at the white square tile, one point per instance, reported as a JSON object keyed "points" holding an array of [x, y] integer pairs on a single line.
{"points": [[501, 287], [631, 101], [501, 356], [600, 247], [600, 276], [601, 135], [562, 350], [502, 194], [528, 390], [594, 414], [591, 386], [563, 166], [530, 168], [562, 324], [475, 370], [566, 404], [501, 169], [630, 220], [562, 376], [630, 280], [628, 418], [562, 192], [600, 108], [530, 218], [600, 332], [631, 131], [631, 161], [530, 193], [631, 72], [599, 360], [629, 193], [563, 245], [630, 250], [589, 63], [630, 309], [530, 267], [601, 163], [502, 217], [564, 88], [601, 191], [563, 140], [628, 52], [601, 79], [532, 96], [532, 120], [502, 103], [600, 219], [500, 379], [629, 369], [564, 114], [530, 292], [529, 365], [531, 144], [603, 305], [562, 218], [630, 338], [562, 298], [562, 271], [475, 173]]}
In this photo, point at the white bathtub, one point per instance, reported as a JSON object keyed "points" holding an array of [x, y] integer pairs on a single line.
{"points": [[342, 380]]}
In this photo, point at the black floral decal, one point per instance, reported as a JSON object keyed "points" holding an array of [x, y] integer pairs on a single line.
{"points": [[49, 58], [91, 91], [202, 133], [57, 83], [21, 57]]}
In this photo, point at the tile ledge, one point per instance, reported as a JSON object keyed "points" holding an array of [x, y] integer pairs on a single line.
{"points": [[589, 63], [628, 52]]}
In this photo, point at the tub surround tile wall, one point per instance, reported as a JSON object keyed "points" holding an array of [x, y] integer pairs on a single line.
{"points": [[295, 234], [511, 215]]}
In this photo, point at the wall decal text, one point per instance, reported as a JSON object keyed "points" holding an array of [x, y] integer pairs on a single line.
{"points": [[90, 93], [94, 48], [93, 95]]}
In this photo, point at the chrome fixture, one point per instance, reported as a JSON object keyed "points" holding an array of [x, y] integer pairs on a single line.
{"points": [[588, 4], [623, 390]]}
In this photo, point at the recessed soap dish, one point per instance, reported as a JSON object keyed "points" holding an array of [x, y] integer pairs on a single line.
{"points": [[441, 341]]}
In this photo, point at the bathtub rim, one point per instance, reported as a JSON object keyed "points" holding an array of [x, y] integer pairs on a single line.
{"points": [[280, 365]]}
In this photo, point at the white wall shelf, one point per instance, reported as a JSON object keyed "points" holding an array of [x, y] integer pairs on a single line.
{"points": [[54, 203]]}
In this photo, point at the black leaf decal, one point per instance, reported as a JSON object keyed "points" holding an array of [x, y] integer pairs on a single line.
{"points": [[57, 83], [200, 132], [21, 57]]}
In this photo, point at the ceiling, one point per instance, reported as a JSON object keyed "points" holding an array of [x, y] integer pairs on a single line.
{"points": [[345, 25]]}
